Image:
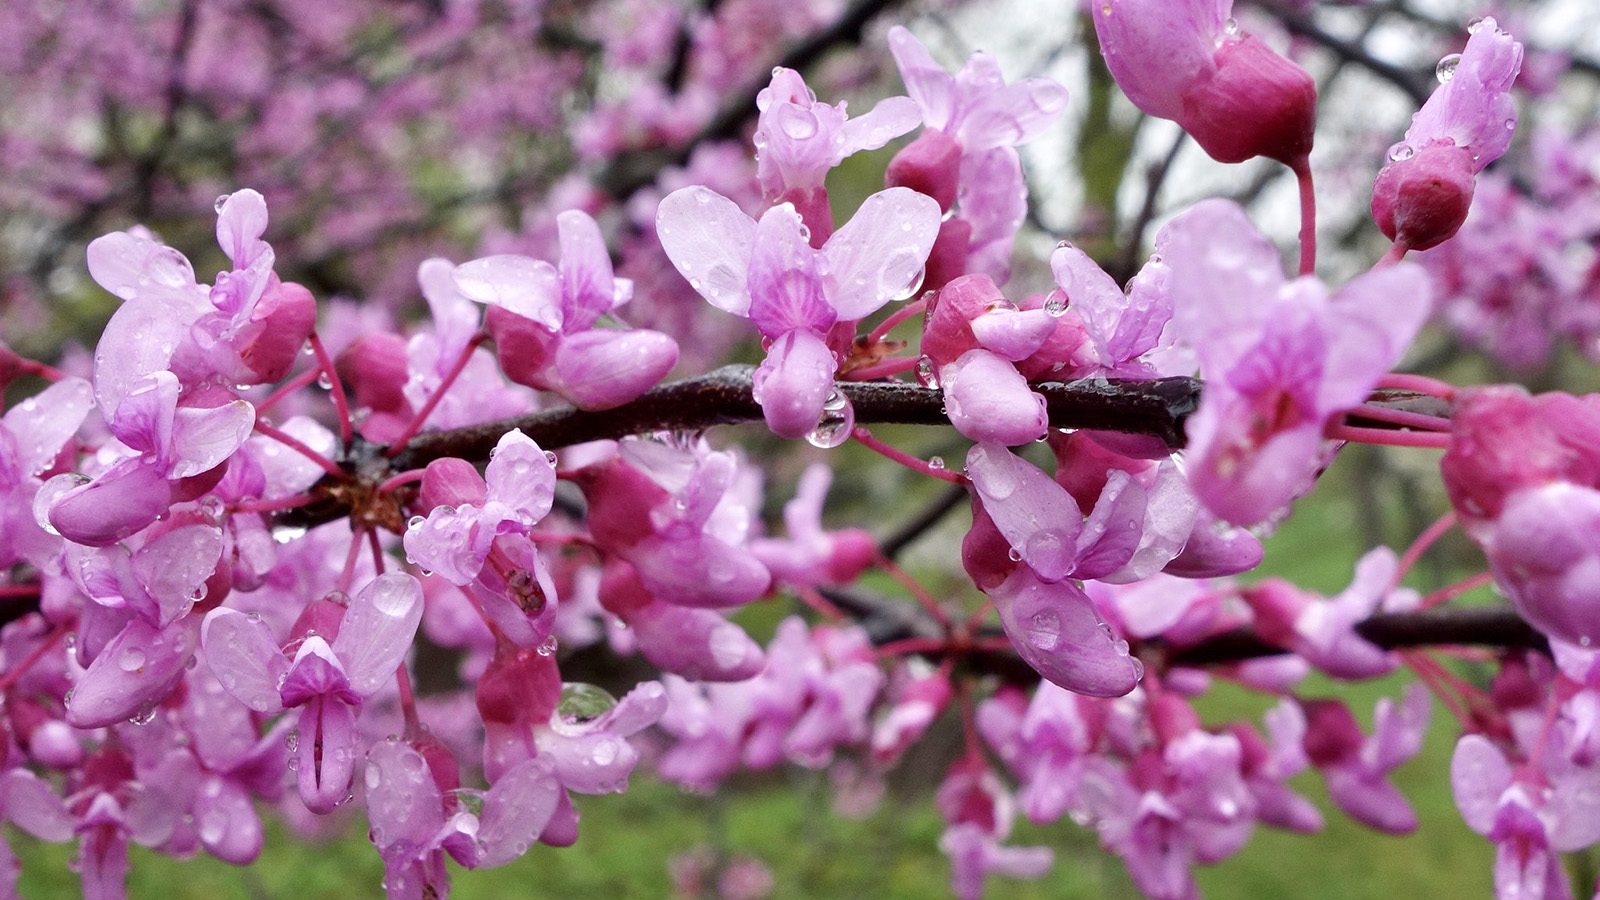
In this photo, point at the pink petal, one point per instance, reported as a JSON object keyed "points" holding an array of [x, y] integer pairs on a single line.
{"points": [[1056, 631], [794, 382], [378, 630], [527, 287], [203, 439], [42, 424], [710, 241], [1157, 48], [226, 822], [695, 643], [327, 751], [1014, 114], [990, 402], [122, 501], [521, 476], [455, 318], [1014, 334], [241, 222], [1225, 276], [175, 565], [135, 671], [699, 571], [926, 81], [1112, 531], [31, 804], [601, 369], [881, 124], [517, 808], [245, 658], [404, 805], [786, 284], [588, 284], [1035, 514], [1474, 109], [879, 254], [1479, 775], [1372, 321]]}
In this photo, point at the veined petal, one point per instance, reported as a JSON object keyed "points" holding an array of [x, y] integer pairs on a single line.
{"points": [[1035, 514], [878, 255], [245, 658], [521, 476], [588, 283], [710, 240], [134, 671], [203, 439], [518, 284], [378, 629], [516, 810], [1056, 631]]}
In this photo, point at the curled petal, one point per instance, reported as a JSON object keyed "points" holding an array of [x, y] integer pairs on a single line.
{"points": [[989, 401], [135, 671], [517, 808], [602, 369], [1035, 514], [794, 382], [520, 476]]}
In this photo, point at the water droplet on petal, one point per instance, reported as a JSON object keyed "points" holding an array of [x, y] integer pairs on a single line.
{"points": [[838, 419], [1044, 630], [1446, 69], [1055, 304], [1401, 152], [548, 648], [582, 702]]}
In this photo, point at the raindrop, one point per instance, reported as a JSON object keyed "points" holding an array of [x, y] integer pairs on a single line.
{"points": [[927, 374], [548, 648], [131, 660], [143, 717], [1044, 630], [1055, 304], [1401, 152], [415, 521], [324, 382], [936, 463], [582, 702], [550, 456], [1446, 69], [835, 424], [221, 201]]}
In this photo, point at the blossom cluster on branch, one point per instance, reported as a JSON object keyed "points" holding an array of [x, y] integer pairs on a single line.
{"points": [[225, 533]]}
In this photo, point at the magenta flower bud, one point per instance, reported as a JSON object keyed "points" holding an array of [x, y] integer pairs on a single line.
{"points": [[374, 369], [1256, 103], [794, 382], [522, 346], [1186, 61], [601, 369], [989, 401], [451, 482], [1422, 200], [287, 317], [930, 165]]}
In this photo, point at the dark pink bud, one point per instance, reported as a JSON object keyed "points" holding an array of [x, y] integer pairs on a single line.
{"points": [[321, 617], [374, 368], [1332, 733], [1172, 717], [1422, 201], [1276, 605], [450, 482], [290, 315], [930, 165], [948, 332], [947, 260], [1504, 440], [520, 685], [620, 499], [854, 551], [523, 346], [812, 205], [1256, 103]]}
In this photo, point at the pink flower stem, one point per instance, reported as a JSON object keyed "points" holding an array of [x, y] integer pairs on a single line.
{"points": [[1452, 591], [335, 389], [1422, 384], [820, 604], [866, 439], [1308, 215], [289, 387], [1428, 440], [348, 574], [408, 701], [1413, 420], [250, 506], [450, 377], [1424, 540], [410, 476], [883, 369], [1419, 664], [908, 646], [19, 591], [48, 644], [895, 318], [915, 588], [326, 464], [377, 550], [556, 539], [1395, 254]]}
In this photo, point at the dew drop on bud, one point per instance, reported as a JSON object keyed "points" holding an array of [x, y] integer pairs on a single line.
{"points": [[1446, 69], [1015, 554], [1401, 152], [548, 648], [415, 521], [1055, 304], [582, 702], [143, 717], [927, 374], [550, 455], [1231, 27], [220, 202], [307, 349], [324, 382], [1476, 25]]}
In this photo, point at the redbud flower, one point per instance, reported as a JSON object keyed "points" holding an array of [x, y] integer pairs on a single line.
{"points": [[1422, 196], [32, 435], [326, 682], [1280, 358], [1188, 61], [768, 273]]}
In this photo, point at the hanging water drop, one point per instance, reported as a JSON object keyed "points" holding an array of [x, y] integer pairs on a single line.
{"points": [[1401, 152], [1055, 304], [835, 424], [1446, 69], [548, 648]]}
